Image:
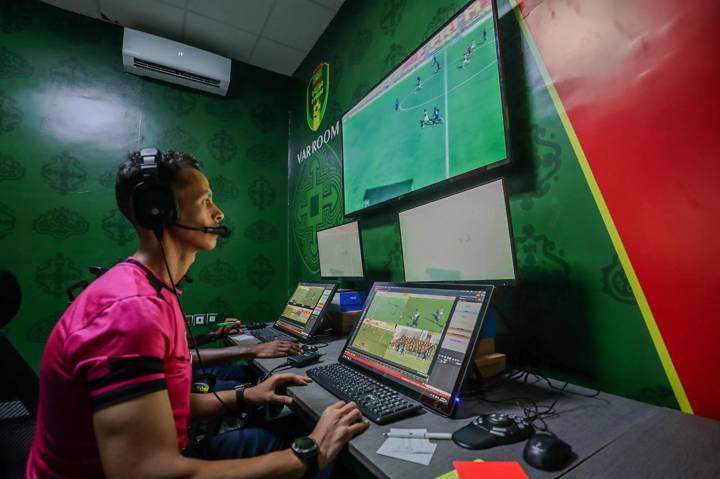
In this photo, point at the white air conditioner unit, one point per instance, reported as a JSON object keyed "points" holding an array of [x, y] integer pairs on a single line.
{"points": [[157, 57]]}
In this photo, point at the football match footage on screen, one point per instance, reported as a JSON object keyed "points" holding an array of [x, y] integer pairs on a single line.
{"points": [[438, 115]]}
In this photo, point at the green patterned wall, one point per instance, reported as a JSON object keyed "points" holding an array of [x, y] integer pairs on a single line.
{"points": [[69, 115], [574, 315]]}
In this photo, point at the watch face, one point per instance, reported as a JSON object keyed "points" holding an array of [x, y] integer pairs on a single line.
{"points": [[304, 445]]}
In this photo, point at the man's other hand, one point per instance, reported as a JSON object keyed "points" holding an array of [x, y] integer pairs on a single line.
{"points": [[275, 349], [265, 392], [339, 423]]}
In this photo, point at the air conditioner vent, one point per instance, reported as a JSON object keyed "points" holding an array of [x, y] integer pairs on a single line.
{"points": [[156, 67]]}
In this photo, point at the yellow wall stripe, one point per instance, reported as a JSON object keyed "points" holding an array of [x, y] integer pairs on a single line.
{"points": [[647, 315]]}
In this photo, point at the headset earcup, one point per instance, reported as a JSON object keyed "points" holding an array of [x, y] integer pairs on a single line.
{"points": [[154, 205]]}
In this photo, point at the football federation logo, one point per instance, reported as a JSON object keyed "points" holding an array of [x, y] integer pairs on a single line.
{"points": [[317, 95]]}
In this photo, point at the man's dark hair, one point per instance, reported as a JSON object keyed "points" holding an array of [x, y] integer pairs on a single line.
{"points": [[169, 166]]}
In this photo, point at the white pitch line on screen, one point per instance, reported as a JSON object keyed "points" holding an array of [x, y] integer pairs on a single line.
{"points": [[449, 91]]}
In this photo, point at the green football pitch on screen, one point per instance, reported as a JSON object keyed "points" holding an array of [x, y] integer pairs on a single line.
{"points": [[442, 116]]}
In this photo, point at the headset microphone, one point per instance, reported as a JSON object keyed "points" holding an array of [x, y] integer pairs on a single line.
{"points": [[222, 231]]}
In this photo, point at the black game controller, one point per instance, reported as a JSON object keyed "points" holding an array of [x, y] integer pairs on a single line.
{"points": [[490, 430]]}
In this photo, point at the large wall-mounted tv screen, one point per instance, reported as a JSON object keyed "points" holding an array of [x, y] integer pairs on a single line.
{"points": [[438, 115]]}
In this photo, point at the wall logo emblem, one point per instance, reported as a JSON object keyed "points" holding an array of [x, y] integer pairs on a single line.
{"points": [[222, 147], [317, 94], [261, 231], [261, 193], [260, 272], [64, 173], [218, 273], [118, 228], [60, 223], [10, 113], [10, 168], [57, 274], [316, 203], [7, 220], [615, 283]]}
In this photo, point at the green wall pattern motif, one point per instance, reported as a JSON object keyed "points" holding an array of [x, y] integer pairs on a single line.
{"points": [[573, 315], [69, 115], [60, 223]]}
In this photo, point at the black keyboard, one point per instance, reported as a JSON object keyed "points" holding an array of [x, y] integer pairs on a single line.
{"points": [[271, 334], [376, 401]]}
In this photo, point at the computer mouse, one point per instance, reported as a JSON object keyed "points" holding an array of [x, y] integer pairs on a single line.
{"points": [[546, 451], [274, 410]]}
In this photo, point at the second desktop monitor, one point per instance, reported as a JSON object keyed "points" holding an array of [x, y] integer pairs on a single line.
{"points": [[340, 252]]}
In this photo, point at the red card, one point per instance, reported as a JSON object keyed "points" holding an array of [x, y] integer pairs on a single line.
{"points": [[489, 470]]}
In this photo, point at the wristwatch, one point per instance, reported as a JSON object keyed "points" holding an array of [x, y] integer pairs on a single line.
{"points": [[306, 449], [240, 403]]}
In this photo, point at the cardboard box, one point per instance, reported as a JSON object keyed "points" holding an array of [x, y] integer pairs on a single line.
{"points": [[485, 346], [342, 323], [490, 365]]}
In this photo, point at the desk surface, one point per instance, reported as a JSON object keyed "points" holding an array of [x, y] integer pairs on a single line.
{"points": [[609, 424]]}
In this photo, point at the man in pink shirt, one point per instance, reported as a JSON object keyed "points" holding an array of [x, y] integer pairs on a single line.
{"points": [[115, 376]]}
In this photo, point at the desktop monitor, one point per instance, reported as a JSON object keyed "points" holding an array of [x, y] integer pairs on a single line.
{"points": [[463, 237], [419, 339], [439, 114], [305, 309], [340, 252]]}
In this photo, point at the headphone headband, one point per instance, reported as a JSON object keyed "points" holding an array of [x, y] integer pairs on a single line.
{"points": [[154, 203]]}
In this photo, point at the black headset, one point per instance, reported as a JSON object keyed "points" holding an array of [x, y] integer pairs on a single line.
{"points": [[153, 201]]}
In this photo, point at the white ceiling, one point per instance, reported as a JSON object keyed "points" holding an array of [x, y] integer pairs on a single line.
{"points": [[275, 35]]}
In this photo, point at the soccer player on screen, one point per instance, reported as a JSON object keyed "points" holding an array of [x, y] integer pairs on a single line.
{"points": [[438, 315], [466, 59], [397, 104], [425, 119], [436, 116], [414, 319], [418, 84], [436, 64]]}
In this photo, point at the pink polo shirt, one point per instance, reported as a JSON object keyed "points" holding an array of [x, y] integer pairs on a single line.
{"points": [[122, 337]]}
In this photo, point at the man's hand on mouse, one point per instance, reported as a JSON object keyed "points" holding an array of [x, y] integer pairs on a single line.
{"points": [[232, 328], [265, 392], [275, 349]]}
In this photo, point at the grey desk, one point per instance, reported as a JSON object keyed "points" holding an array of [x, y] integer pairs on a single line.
{"points": [[600, 430]]}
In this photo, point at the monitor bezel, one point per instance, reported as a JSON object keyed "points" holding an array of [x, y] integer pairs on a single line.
{"points": [[495, 282], [362, 256], [476, 172], [321, 316], [423, 399]]}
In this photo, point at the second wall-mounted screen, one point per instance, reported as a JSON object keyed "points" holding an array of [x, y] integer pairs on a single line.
{"points": [[436, 116], [463, 237]]}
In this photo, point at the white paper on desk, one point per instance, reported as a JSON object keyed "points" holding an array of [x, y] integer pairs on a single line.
{"points": [[409, 444], [392, 444]]}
